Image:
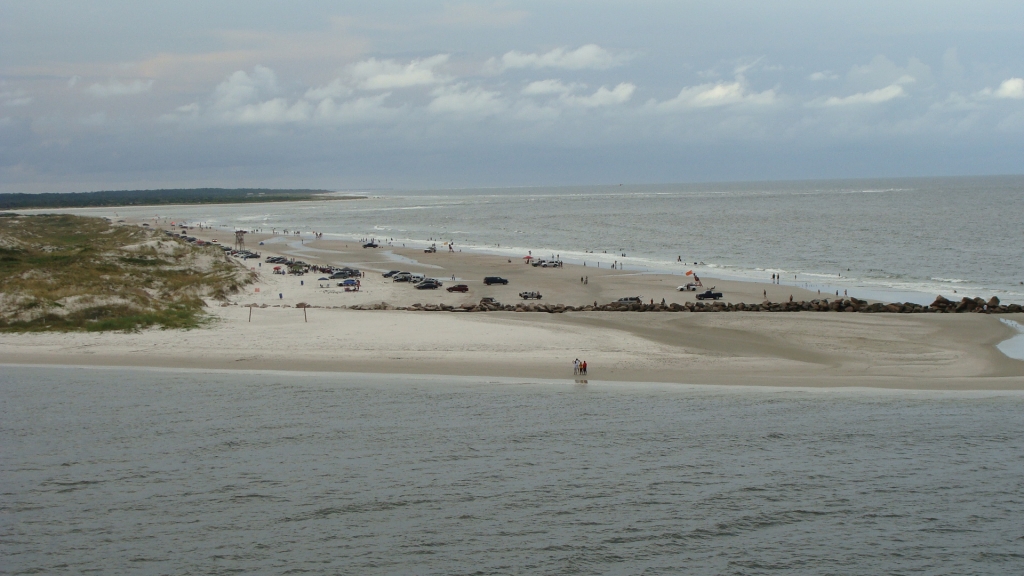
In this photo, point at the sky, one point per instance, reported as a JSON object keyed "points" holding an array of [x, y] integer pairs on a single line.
{"points": [[398, 95]]}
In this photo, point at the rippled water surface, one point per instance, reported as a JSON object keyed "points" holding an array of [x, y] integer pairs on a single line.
{"points": [[897, 237], [173, 472]]}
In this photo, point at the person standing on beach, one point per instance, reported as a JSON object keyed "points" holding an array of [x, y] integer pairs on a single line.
{"points": [[583, 367], [576, 366]]}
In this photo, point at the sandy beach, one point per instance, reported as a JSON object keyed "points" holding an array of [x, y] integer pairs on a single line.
{"points": [[916, 351]]}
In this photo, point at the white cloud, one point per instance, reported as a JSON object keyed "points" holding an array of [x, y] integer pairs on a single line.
{"points": [[1011, 89], [358, 110], [543, 87], [241, 88], [883, 72], [73, 80], [879, 96], [825, 75], [246, 98], [603, 96], [275, 111], [118, 88], [376, 74], [459, 99], [336, 89], [717, 94], [587, 57]]}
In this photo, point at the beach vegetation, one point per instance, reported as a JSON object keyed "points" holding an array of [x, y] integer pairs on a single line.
{"points": [[60, 272], [49, 200]]}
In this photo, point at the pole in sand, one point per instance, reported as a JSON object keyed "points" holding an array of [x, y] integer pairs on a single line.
{"points": [[250, 313], [304, 318]]}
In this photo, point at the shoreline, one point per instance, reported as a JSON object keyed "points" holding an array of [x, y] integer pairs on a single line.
{"points": [[910, 352], [478, 381], [261, 328], [828, 283]]}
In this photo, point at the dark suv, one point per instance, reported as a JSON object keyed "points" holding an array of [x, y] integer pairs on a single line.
{"points": [[494, 280]]}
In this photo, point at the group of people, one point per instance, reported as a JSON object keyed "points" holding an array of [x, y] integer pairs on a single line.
{"points": [[579, 367]]}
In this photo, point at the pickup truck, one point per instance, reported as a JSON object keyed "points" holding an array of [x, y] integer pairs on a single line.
{"points": [[709, 295], [370, 245], [530, 295], [430, 250]]}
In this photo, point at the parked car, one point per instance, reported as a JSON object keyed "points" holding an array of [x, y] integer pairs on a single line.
{"points": [[430, 250], [489, 300], [370, 245], [390, 273], [688, 287], [709, 295], [494, 280], [428, 284], [530, 295], [630, 300], [402, 277], [417, 278], [458, 288]]}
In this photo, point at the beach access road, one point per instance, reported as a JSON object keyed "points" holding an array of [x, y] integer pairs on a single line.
{"points": [[923, 351]]}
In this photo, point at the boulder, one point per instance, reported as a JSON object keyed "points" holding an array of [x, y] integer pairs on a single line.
{"points": [[993, 302]]}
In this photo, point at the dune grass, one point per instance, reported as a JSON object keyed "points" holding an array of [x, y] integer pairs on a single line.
{"points": [[71, 273]]}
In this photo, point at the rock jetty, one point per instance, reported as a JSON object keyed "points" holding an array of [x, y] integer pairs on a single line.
{"points": [[939, 306]]}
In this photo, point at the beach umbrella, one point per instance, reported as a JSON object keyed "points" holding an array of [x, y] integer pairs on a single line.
{"points": [[689, 272], [527, 257], [277, 267]]}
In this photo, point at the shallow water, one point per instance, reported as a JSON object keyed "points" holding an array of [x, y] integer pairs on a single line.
{"points": [[1013, 346], [158, 471]]}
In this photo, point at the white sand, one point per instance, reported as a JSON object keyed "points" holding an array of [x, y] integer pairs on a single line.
{"points": [[926, 351]]}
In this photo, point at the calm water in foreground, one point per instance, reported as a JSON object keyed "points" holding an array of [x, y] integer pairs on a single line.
{"points": [[174, 472]]}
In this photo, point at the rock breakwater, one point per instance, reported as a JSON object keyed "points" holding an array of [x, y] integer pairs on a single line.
{"points": [[941, 305]]}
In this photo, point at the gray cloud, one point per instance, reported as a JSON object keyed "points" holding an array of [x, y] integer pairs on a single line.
{"points": [[197, 94]]}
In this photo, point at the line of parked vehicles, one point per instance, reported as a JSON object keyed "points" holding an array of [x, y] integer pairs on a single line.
{"points": [[419, 281]]}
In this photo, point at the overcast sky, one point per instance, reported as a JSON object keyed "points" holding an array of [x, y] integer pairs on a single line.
{"points": [[106, 94]]}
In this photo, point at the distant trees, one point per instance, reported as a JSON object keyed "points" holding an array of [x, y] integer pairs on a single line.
{"points": [[153, 197]]}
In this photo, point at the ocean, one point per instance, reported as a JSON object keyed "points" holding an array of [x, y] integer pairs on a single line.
{"points": [[895, 239], [145, 471]]}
